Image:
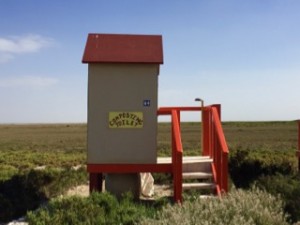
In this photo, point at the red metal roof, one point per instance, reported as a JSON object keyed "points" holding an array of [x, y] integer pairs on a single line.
{"points": [[123, 48]]}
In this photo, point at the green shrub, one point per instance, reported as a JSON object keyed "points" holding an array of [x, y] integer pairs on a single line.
{"points": [[98, 208], [7, 171], [288, 186], [253, 207], [61, 180], [6, 208], [27, 191], [73, 210], [162, 178], [246, 166], [17, 195]]}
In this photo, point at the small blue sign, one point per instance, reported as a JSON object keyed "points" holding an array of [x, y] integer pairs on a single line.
{"points": [[146, 103]]}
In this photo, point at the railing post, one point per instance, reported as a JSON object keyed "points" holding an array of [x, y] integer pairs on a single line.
{"points": [[218, 107], [217, 151], [173, 158], [224, 172], [298, 150], [206, 132], [220, 155], [178, 118], [179, 177], [179, 165], [213, 135], [176, 158], [173, 143], [218, 160]]}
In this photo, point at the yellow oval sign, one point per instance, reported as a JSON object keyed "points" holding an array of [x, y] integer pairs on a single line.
{"points": [[125, 119]]}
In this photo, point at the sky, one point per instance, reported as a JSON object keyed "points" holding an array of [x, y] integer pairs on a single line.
{"points": [[244, 55]]}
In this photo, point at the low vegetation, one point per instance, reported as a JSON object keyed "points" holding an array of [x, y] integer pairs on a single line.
{"points": [[253, 207], [246, 166], [98, 208], [37, 166], [29, 189], [239, 207], [25, 147], [288, 187]]}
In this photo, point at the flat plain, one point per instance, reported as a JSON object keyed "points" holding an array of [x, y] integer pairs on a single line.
{"points": [[29, 146]]}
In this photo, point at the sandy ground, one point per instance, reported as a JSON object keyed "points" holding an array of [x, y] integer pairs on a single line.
{"points": [[159, 191], [81, 190]]}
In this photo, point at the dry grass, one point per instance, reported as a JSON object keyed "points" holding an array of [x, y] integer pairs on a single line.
{"points": [[28, 146], [64, 145], [23, 147], [253, 207]]}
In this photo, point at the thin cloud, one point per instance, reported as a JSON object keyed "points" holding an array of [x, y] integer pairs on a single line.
{"points": [[28, 81], [15, 45], [5, 57]]}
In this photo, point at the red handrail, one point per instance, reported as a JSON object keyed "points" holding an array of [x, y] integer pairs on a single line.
{"points": [[214, 145], [219, 130], [220, 149], [299, 135], [177, 156], [298, 150], [177, 149], [176, 131]]}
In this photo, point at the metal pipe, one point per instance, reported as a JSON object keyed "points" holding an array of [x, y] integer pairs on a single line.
{"points": [[200, 100]]}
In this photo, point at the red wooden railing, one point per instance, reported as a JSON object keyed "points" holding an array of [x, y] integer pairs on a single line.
{"points": [[299, 135], [298, 150], [176, 156], [214, 145]]}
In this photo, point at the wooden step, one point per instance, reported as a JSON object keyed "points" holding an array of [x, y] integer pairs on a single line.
{"points": [[204, 185], [196, 175], [185, 159], [191, 163], [203, 165]]}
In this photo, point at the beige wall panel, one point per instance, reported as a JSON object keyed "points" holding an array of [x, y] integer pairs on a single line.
{"points": [[122, 88]]}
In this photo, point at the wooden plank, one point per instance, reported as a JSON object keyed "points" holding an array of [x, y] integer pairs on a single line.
{"points": [[188, 186], [196, 175]]}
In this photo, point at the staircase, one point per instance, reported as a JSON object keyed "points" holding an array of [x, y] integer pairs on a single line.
{"points": [[193, 172], [196, 173]]}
